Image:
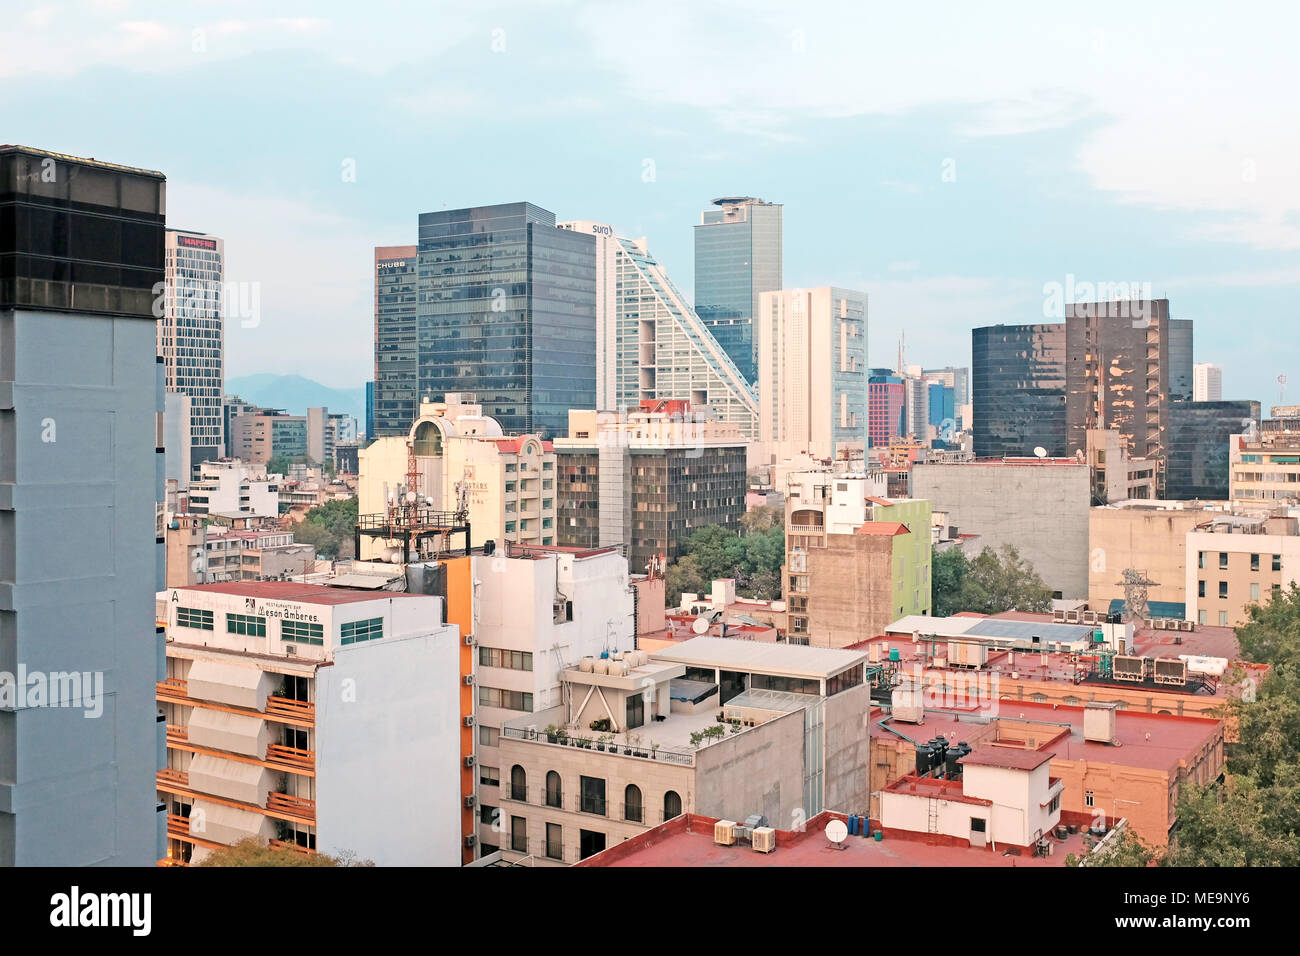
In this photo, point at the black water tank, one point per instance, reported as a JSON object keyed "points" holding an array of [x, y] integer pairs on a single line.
{"points": [[489, 547], [924, 756], [951, 768]]}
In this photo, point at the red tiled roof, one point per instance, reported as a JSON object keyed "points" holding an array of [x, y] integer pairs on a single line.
{"points": [[879, 501], [295, 591], [1008, 758], [887, 528]]}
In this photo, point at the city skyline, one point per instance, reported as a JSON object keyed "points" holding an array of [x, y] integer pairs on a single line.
{"points": [[949, 195]]}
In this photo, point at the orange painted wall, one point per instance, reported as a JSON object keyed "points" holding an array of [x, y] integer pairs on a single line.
{"points": [[460, 611]]}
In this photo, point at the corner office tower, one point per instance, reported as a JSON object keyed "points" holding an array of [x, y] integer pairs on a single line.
{"points": [[81, 251]]}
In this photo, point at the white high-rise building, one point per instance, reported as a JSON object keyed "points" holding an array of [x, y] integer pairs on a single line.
{"points": [[812, 372], [1207, 382], [651, 344], [191, 335]]}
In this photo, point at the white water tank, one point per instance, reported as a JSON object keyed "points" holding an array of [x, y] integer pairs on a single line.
{"points": [[600, 666], [585, 665]]}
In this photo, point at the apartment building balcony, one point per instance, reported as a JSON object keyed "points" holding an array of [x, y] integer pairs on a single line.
{"points": [[294, 758], [285, 806], [295, 710]]}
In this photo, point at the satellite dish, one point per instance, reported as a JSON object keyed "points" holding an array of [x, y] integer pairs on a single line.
{"points": [[700, 626], [1040, 451], [837, 832]]}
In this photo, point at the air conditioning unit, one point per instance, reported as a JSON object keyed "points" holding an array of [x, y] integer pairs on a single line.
{"points": [[471, 841], [1159, 624], [290, 649], [764, 839], [1058, 615], [471, 802], [724, 833], [469, 721], [469, 640], [469, 680], [469, 761], [1189, 625]]}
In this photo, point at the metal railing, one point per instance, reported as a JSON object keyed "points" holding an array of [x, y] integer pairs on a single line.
{"points": [[675, 755]]}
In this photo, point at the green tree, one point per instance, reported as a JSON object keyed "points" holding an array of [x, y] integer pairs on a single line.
{"points": [[1272, 635], [995, 581], [329, 528], [253, 852], [1125, 849], [948, 569], [683, 575], [762, 518]]}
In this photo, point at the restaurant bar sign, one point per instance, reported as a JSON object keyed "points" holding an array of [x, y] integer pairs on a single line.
{"points": [[282, 610]]}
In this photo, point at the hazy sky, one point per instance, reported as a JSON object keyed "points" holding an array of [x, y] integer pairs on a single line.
{"points": [[949, 161]]}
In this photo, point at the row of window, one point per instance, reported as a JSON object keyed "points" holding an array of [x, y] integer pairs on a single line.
{"points": [[1223, 561], [300, 632], [505, 699], [591, 795], [511, 660]]}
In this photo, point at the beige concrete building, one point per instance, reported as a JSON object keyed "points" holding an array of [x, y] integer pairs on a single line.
{"points": [[812, 372], [1234, 563], [463, 462], [1150, 536], [272, 734], [854, 561], [1264, 470], [725, 727], [1116, 477]]}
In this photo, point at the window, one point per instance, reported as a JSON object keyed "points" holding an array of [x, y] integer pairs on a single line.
{"points": [[506, 699], [635, 711], [519, 834], [632, 803], [246, 624], [487, 814], [554, 842], [302, 633], [1201, 560], [193, 617], [1202, 618], [590, 843], [518, 783], [510, 527], [1254, 562], [1223, 560], [511, 660], [672, 805], [1223, 589], [1223, 619], [977, 824], [1254, 590], [510, 487], [593, 795], [1088, 797], [1277, 562], [554, 790], [1055, 804], [371, 629], [489, 776], [1200, 589], [488, 736]]}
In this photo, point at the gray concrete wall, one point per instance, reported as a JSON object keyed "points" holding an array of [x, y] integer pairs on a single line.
{"points": [[1040, 509], [758, 771], [848, 751], [79, 476]]}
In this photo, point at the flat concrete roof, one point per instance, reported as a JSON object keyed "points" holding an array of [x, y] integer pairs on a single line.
{"points": [[762, 658], [295, 592], [992, 628]]}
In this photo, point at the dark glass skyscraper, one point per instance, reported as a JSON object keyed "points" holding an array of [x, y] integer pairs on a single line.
{"points": [[1182, 377], [506, 311], [1199, 435], [394, 399], [1018, 390], [737, 258]]}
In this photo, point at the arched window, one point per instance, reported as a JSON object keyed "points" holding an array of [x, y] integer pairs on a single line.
{"points": [[518, 783], [554, 791], [672, 805], [632, 803]]}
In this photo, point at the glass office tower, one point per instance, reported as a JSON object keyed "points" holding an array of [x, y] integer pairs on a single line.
{"points": [[393, 399], [1182, 374], [1199, 455], [737, 258], [1018, 390], [506, 311]]}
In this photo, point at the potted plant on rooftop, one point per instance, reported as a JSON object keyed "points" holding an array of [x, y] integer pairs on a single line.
{"points": [[552, 733]]}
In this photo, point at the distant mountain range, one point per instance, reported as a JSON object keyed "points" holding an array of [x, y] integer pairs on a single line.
{"points": [[296, 394]]}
